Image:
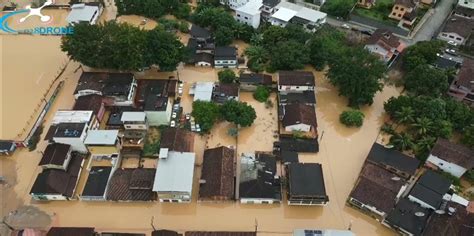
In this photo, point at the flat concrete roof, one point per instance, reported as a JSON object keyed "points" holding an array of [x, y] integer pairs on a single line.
{"points": [[203, 91], [284, 14], [133, 116], [67, 116], [101, 137], [81, 12]]}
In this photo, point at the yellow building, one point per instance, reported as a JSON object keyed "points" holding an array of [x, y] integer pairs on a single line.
{"points": [[400, 8], [103, 143]]}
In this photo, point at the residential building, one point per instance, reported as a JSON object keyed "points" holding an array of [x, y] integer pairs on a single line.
{"points": [[304, 98], [134, 120], [202, 91], [306, 184], [217, 181], [178, 140], [288, 12], [154, 97], [199, 33], [259, 182], [385, 45], [203, 59], [164, 232], [201, 45], [296, 145], [393, 161], [376, 191], [402, 7], [462, 87], [225, 57], [7, 148], [103, 143], [174, 177], [67, 116], [457, 29], [463, 11], [234, 4], [73, 134], [131, 185], [466, 3], [288, 157], [96, 184], [219, 233], [322, 232], [249, 13], [457, 220], [299, 117], [431, 191], [117, 88], [448, 61], [69, 231], [295, 81], [250, 81], [449, 157], [366, 3], [55, 184], [407, 217], [408, 20], [269, 7], [56, 156], [225, 92], [92, 103], [84, 12]]}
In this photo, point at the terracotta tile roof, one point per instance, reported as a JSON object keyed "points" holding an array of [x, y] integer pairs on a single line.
{"points": [[55, 154], [445, 224], [179, 140], [459, 25], [90, 102], [465, 77], [130, 185], [406, 3], [299, 114], [454, 153], [377, 187], [252, 78], [71, 231], [218, 171], [301, 78], [384, 38], [227, 89]]}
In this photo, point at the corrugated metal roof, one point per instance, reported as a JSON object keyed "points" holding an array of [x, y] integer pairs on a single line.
{"points": [[175, 173]]}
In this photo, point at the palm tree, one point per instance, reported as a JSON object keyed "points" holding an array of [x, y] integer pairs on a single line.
{"points": [[405, 115], [424, 144], [422, 126], [402, 141]]}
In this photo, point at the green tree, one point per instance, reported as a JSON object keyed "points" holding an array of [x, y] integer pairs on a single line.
{"points": [[432, 108], [442, 128], [426, 80], [468, 136], [402, 141], [423, 146], [395, 104], [422, 126], [338, 8], [297, 33], [352, 118], [405, 115], [274, 34], [224, 36], [257, 58], [206, 114], [183, 11], [239, 113], [459, 114], [243, 32], [288, 55], [357, 74], [325, 46], [261, 94], [164, 49], [422, 53], [226, 76]]}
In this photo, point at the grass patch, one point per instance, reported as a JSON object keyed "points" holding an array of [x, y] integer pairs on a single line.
{"points": [[152, 143], [379, 12]]}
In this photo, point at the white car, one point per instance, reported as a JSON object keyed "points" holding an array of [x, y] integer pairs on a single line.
{"points": [[181, 85], [345, 26], [180, 91], [176, 107], [450, 51], [188, 116], [452, 43], [193, 127], [198, 128], [173, 115], [173, 123]]}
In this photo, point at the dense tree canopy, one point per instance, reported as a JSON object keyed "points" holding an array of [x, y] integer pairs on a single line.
{"points": [[123, 47], [421, 53], [338, 8], [352, 118], [426, 80], [261, 94], [223, 36], [206, 114], [227, 76], [240, 113], [288, 55], [325, 46], [357, 74], [153, 8]]}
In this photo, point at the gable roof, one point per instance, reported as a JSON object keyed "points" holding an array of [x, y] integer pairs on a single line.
{"points": [[176, 139], [454, 153], [71, 231], [257, 177], [384, 38], [91, 81], [430, 188], [253, 78], [218, 171], [226, 89], [297, 145], [465, 77], [459, 25], [377, 187], [53, 181], [306, 179], [381, 155], [296, 78], [121, 188], [305, 97], [403, 216], [97, 181], [298, 113], [225, 53], [199, 32], [164, 232], [55, 154], [89, 102], [7, 146], [459, 223]]}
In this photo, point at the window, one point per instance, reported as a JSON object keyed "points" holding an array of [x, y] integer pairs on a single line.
{"points": [[402, 9], [396, 7], [444, 35], [265, 202], [128, 126], [246, 18], [399, 15], [450, 36], [393, 13], [238, 15], [457, 38]]}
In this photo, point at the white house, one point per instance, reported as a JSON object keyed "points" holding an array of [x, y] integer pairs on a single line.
{"points": [[174, 177], [202, 91], [103, 143], [134, 120], [295, 81], [431, 190], [249, 13], [84, 12], [158, 110], [291, 13], [233, 4], [225, 57], [73, 134], [457, 29], [450, 157], [68, 116]]}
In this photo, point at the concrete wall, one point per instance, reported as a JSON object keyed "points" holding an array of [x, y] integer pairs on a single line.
{"points": [[449, 167]]}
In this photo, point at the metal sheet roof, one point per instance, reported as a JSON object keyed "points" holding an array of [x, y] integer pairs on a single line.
{"points": [[175, 173], [101, 137]]}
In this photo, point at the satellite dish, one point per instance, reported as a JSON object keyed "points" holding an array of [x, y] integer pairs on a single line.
{"points": [[395, 178], [440, 212], [419, 214]]}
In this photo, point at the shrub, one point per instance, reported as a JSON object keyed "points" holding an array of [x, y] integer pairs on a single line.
{"points": [[261, 94], [352, 118], [226, 76]]}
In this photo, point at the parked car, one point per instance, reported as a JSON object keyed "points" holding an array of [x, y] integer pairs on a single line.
{"points": [[176, 107], [345, 26], [180, 91], [452, 43], [173, 115], [181, 85], [173, 123], [188, 116], [198, 128], [450, 51]]}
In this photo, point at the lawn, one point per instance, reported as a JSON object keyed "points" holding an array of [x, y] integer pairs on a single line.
{"points": [[152, 143], [379, 12]]}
